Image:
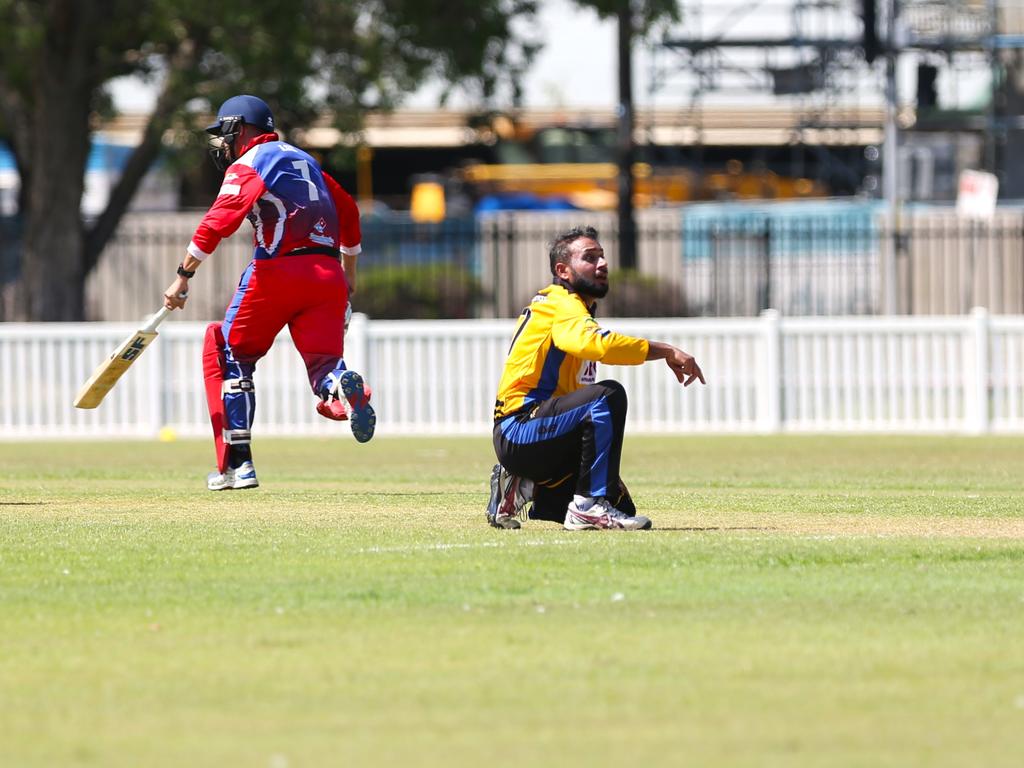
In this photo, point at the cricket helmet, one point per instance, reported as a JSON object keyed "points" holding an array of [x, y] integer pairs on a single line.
{"points": [[232, 115]]}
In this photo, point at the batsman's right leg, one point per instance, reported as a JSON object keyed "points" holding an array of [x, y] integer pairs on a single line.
{"points": [[231, 405], [239, 410]]}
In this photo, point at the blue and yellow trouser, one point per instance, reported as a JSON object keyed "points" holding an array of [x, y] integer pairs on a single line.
{"points": [[568, 444]]}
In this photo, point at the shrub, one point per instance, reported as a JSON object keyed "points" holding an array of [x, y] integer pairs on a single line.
{"points": [[633, 294], [427, 292]]}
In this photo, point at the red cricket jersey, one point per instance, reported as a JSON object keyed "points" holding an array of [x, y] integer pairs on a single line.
{"points": [[289, 200]]}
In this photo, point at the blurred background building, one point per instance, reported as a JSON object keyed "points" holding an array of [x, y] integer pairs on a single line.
{"points": [[800, 155]]}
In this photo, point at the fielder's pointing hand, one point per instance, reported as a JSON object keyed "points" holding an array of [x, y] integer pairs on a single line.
{"points": [[685, 368], [682, 364]]}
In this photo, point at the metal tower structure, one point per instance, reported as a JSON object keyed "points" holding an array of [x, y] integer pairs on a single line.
{"points": [[938, 82], [799, 61]]}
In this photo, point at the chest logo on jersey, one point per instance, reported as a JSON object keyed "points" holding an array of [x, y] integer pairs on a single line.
{"points": [[320, 226], [588, 372]]}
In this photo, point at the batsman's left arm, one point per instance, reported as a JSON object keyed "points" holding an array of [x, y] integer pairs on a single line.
{"points": [[177, 292], [349, 230]]}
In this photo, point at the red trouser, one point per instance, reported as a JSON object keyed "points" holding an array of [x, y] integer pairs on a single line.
{"points": [[306, 293]]}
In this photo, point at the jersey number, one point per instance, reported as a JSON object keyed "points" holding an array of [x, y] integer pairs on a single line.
{"points": [[526, 318], [303, 167]]}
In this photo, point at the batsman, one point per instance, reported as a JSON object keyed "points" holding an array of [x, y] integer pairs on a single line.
{"points": [[306, 242]]}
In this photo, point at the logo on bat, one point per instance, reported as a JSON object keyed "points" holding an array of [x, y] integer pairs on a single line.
{"points": [[135, 349]]}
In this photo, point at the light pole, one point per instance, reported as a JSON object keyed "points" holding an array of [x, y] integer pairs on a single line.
{"points": [[890, 160], [627, 224]]}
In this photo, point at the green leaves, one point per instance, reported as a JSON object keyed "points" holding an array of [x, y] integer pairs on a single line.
{"points": [[304, 57]]}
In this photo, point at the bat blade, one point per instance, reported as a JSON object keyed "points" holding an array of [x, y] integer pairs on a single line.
{"points": [[110, 370]]}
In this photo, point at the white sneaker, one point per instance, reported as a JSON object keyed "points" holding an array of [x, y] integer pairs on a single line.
{"points": [[509, 496], [243, 476], [601, 515]]}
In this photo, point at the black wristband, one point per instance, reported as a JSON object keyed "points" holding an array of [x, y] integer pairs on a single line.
{"points": [[182, 272]]}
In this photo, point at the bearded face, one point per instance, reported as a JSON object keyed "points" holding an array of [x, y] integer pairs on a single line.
{"points": [[585, 270], [586, 286]]}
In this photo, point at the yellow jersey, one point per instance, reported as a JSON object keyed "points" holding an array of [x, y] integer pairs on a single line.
{"points": [[555, 351]]}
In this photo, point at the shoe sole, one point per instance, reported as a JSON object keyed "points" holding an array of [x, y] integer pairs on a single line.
{"points": [[646, 527], [363, 419], [592, 527], [236, 484], [494, 501], [243, 486]]}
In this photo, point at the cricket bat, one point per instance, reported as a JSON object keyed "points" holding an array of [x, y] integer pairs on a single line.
{"points": [[110, 370]]}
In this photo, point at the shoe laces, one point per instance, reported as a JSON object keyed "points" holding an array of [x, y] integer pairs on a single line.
{"points": [[523, 498], [519, 510], [602, 506], [332, 391], [514, 500]]}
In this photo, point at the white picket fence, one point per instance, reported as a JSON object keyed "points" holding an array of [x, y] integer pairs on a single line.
{"points": [[769, 374]]}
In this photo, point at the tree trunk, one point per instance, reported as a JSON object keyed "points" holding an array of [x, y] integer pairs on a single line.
{"points": [[175, 92], [52, 273]]}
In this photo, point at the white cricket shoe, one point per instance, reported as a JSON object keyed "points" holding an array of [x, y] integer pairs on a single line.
{"points": [[601, 515], [509, 496], [243, 476]]}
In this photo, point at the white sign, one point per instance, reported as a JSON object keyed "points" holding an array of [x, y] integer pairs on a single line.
{"points": [[976, 195]]}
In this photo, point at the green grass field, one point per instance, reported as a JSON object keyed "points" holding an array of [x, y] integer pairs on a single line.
{"points": [[803, 601]]}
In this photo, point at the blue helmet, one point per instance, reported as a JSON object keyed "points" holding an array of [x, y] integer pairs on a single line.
{"points": [[232, 115], [242, 109]]}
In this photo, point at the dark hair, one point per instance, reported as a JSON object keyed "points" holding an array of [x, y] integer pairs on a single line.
{"points": [[559, 252]]}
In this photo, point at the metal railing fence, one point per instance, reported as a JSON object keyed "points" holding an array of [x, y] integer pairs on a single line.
{"points": [[702, 260]]}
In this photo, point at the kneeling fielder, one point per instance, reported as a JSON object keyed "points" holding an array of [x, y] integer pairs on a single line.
{"points": [[557, 434]]}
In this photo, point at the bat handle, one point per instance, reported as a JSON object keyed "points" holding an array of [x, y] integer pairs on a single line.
{"points": [[156, 319]]}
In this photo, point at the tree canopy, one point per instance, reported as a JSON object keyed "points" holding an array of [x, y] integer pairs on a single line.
{"points": [[303, 57]]}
